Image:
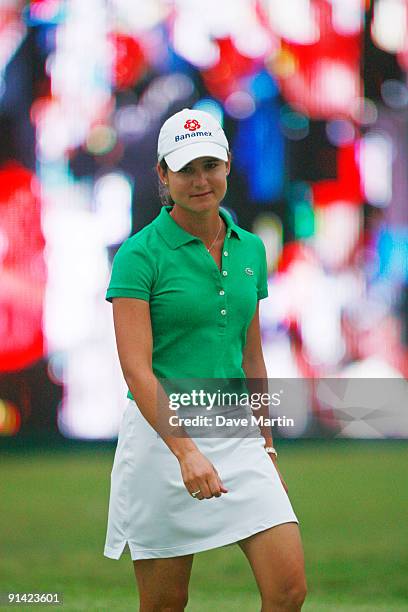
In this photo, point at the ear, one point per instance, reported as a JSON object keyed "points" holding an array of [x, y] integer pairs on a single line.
{"points": [[162, 174], [228, 164]]}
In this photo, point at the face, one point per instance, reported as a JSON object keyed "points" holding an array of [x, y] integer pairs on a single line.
{"points": [[200, 185]]}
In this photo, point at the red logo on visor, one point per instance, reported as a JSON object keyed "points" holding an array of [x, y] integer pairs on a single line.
{"points": [[192, 125]]}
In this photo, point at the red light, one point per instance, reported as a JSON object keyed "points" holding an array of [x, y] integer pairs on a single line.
{"points": [[130, 63], [223, 79], [22, 269]]}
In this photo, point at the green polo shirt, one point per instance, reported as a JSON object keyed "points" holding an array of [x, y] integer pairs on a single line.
{"points": [[200, 314]]}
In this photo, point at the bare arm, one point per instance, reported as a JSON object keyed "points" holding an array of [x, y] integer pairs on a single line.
{"points": [[134, 342]]}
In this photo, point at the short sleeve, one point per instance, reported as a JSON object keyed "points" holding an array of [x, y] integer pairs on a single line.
{"points": [[132, 273], [262, 284]]}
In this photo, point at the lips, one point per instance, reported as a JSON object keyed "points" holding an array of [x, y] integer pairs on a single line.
{"points": [[200, 195]]}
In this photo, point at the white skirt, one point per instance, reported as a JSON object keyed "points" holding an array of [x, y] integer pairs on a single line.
{"points": [[152, 512]]}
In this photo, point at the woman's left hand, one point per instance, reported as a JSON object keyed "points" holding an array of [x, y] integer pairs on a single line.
{"points": [[275, 462]]}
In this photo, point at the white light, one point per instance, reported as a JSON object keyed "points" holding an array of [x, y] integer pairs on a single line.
{"points": [[80, 72], [132, 121], [92, 410], [250, 39], [4, 245], [320, 314], [240, 105], [375, 160], [295, 20], [315, 299], [268, 227], [197, 27], [337, 85], [138, 15], [69, 319], [347, 16], [389, 26], [77, 320], [191, 42], [321, 332], [176, 86], [53, 135], [164, 91], [338, 228], [279, 357], [253, 44], [113, 198]]}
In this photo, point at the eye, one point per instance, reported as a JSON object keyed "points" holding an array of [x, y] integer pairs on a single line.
{"points": [[211, 165], [185, 170]]}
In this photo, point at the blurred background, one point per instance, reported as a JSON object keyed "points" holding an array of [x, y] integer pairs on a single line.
{"points": [[313, 97]]}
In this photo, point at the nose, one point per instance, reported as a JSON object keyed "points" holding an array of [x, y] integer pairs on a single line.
{"points": [[200, 177]]}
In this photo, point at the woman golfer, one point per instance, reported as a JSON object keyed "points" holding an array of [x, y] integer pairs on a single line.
{"points": [[185, 293]]}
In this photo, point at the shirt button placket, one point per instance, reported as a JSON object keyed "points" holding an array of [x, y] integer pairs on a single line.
{"points": [[224, 273], [222, 310]]}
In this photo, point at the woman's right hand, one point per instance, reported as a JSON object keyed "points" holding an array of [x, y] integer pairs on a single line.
{"points": [[199, 474]]}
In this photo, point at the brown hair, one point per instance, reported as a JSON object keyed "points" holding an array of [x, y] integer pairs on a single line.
{"points": [[164, 192]]}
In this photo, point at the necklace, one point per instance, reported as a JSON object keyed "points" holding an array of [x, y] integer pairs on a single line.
{"points": [[216, 238]]}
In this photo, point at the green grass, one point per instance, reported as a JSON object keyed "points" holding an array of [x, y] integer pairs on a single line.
{"points": [[351, 499]]}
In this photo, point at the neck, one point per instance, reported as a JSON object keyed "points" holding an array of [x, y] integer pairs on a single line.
{"points": [[204, 225]]}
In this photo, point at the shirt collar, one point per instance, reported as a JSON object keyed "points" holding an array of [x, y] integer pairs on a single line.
{"points": [[175, 236]]}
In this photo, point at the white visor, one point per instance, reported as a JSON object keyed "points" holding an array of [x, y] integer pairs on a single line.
{"points": [[179, 158]]}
